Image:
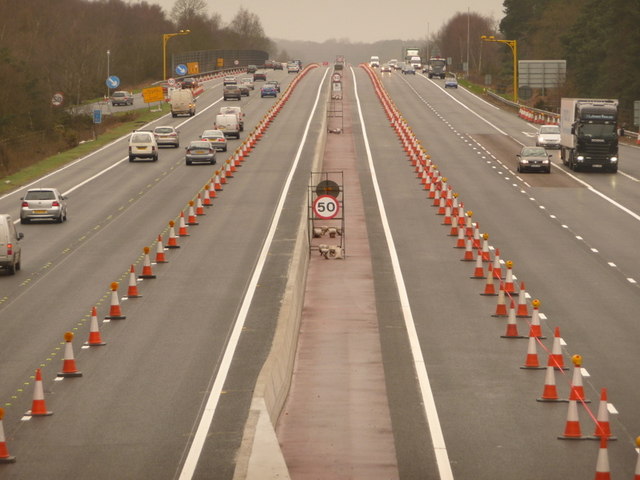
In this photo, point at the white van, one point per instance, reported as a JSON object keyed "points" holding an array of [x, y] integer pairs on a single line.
{"points": [[235, 111], [10, 250], [228, 123], [182, 102], [374, 61]]}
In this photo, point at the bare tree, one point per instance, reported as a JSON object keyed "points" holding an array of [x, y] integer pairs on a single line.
{"points": [[185, 11]]}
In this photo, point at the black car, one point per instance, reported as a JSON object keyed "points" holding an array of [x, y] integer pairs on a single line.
{"points": [[189, 83], [534, 159]]}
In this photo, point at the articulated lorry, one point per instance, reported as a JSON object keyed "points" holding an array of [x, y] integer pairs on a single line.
{"points": [[589, 134]]}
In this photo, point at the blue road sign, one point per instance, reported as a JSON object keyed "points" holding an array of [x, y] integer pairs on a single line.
{"points": [[97, 116], [181, 69], [113, 82]]}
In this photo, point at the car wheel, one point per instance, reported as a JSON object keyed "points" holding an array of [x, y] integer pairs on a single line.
{"points": [[176, 145], [155, 159], [60, 219], [131, 159], [24, 221], [19, 264], [12, 269]]}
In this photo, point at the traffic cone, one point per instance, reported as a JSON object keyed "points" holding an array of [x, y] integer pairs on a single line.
{"points": [[523, 310], [508, 282], [182, 227], [489, 287], [572, 427], [442, 206], [147, 272], [602, 465], [4, 450], [556, 360], [478, 272], [173, 239], [217, 182], [577, 389], [501, 307], [212, 189], [512, 327], [486, 255], [115, 312], [206, 201], [223, 175], [160, 257], [468, 252], [191, 219], [132, 291], [461, 243], [550, 392], [69, 368], [199, 206], [447, 216], [468, 224], [476, 235], [38, 406], [531, 361], [497, 269], [603, 429], [94, 331], [535, 329]]}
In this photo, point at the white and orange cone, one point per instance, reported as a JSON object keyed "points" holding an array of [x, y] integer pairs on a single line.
{"points": [[603, 471], [182, 226], [486, 255], [603, 428], [531, 361], [523, 310], [206, 197], [556, 360], [478, 271], [94, 331], [572, 429], [512, 327], [497, 268], [468, 251], [132, 290], [535, 329], [550, 392], [461, 241], [217, 182], [5, 457], [38, 405], [577, 389], [147, 271], [160, 256], [489, 287], [192, 219], [199, 206], [115, 312], [509, 286], [501, 306], [69, 368], [172, 242]]}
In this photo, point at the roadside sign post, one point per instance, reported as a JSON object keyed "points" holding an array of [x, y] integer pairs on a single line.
{"points": [[326, 214]]}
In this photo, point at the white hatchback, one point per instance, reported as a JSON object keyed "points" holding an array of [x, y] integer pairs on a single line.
{"points": [[143, 144]]}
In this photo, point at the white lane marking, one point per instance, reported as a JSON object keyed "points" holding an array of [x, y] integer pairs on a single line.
{"points": [[431, 412], [190, 464]]}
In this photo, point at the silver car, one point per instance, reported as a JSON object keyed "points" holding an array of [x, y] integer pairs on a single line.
{"points": [[43, 204], [548, 136], [216, 138], [166, 135], [200, 151]]}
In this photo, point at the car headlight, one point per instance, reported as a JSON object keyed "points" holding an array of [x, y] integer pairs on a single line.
{"points": [[524, 160], [614, 159], [545, 162], [580, 158]]}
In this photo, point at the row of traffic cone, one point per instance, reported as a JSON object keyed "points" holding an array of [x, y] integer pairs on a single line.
{"points": [[476, 249]]}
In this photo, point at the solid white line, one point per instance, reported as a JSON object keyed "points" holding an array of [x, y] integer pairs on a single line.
{"points": [[440, 449], [209, 410]]}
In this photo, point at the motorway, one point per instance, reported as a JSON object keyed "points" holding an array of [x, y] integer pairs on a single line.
{"points": [[136, 410]]}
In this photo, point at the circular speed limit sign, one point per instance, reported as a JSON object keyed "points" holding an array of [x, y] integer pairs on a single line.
{"points": [[326, 207]]}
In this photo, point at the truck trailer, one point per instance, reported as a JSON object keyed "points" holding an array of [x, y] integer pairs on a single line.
{"points": [[589, 133]]}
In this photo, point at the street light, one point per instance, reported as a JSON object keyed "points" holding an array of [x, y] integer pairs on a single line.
{"points": [[165, 38], [514, 49], [108, 72]]}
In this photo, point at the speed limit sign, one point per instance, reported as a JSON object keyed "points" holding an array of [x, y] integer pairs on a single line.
{"points": [[326, 207]]}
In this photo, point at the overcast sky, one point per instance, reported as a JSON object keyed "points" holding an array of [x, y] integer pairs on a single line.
{"points": [[357, 20]]}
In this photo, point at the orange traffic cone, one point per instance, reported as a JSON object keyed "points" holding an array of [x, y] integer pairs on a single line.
{"points": [[206, 201], [572, 427], [199, 206], [173, 239], [497, 269], [115, 312], [223, 176], [4, 451], [508, 281], [550, 392], [603, 429], [461, 242], [531, 361], [523, 310], [602, 465], [468, 251], [489, 287], [182, 228], [556, 359], [69, 368], [94, 331], [577, 389], [132, 291], [501, 307], [486, 255], [478, 272], [147, 272], [535, 329], [38, 406], [160, 257], [217, 183], [512, 327], [191, 219]]}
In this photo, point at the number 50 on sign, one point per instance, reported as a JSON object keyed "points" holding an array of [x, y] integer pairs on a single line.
{"points": [[326, 207]]}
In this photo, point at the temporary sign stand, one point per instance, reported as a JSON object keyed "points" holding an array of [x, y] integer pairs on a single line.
{"points": [[326, 214]]}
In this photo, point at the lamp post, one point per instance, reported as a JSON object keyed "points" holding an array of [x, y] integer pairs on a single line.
{"points": [[513, 44], [108, 71], [165, 38]]}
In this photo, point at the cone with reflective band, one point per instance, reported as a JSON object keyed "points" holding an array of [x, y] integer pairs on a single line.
{"points": [[497, 269], [147, 271], [468, 252], [160, 256], [486, 255], [172, 242], [115, 312], [535, 329], [223, 176], [199, 206], [461, 242], [476, 236], [132, 291], [531, 361], [523, 310], [478, 271], [556, 359], [212, 189], [512, 327], [69, 368], [182, 226], [94, 331], [217, 182], [572, 427], [489, 287], [603, 471], [5, 457], [192, 219], [550, 392], [577, 389], [603, 428], [38, 405], [509, 286], [501, 307], [206, 197]]}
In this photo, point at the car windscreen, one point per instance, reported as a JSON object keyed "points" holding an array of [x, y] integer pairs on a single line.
{"points": [[40, 195]]}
